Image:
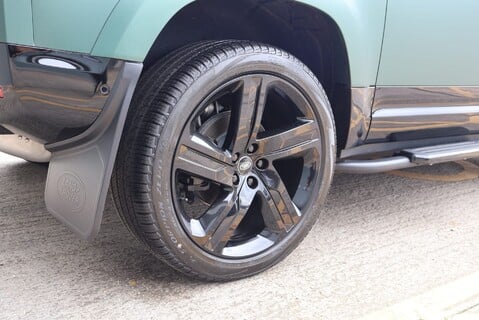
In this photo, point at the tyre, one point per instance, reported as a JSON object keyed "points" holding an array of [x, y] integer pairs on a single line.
{"points": [[226, 156]]}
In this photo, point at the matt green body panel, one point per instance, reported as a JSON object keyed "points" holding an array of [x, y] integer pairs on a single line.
{"points": [[16, 22], [134, 26], [69, 25], [126, 29], [431, 43]]}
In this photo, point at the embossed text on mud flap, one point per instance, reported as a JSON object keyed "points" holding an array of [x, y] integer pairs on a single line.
{"points": [[71, 191]]}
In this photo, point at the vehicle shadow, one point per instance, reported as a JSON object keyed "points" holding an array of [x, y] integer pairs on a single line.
{"points": [[364, 216]]}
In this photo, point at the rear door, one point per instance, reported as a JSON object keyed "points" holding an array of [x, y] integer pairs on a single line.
{"points": [[69, 25], [428, 81]]}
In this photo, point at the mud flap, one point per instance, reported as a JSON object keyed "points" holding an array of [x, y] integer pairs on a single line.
{"points": [[80, 169]]}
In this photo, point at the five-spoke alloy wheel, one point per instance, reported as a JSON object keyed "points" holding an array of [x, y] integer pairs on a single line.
{"points": [[246, 165], [228, 153]]}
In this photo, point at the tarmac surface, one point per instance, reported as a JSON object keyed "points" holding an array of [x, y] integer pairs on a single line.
{"points": [[381, 240]]}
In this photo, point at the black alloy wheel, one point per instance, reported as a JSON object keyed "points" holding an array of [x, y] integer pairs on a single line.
{"points": [[227, 154]]}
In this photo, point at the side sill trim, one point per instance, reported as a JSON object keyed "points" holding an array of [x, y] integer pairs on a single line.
{"points": [[425, 111], [401, 113]]}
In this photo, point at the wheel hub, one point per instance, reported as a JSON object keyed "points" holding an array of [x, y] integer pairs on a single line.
{"points": [[245, 164]]}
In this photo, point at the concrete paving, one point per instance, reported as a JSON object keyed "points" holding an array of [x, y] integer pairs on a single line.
{"points": [[381, 239]]}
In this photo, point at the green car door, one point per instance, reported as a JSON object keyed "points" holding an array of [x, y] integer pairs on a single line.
{"points": [[431, 43], [429, 71]]}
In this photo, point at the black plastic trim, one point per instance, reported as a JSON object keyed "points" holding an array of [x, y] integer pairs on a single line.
{"points": [[80, 170]]}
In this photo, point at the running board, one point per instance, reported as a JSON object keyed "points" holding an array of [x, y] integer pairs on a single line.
{"points": [[413, 157]]}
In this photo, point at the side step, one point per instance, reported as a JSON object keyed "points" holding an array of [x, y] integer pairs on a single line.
{"points": [[413, 157]]}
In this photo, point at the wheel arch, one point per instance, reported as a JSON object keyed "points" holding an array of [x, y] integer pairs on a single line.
{"points": [[338, 40]]}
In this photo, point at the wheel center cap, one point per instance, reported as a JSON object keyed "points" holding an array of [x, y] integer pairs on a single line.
{"points": [[244, 165]]}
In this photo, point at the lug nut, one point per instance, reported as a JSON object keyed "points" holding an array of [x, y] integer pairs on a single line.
{"points": [[235, 179], [252, 148], [262, 164], [252, 182], [235, 157]]}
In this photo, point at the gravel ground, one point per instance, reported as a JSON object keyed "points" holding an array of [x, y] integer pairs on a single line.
{"points": [[380, 239]]}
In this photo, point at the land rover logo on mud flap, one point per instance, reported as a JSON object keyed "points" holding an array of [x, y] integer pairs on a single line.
{"points": [[72, 191], [244, 165]]}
